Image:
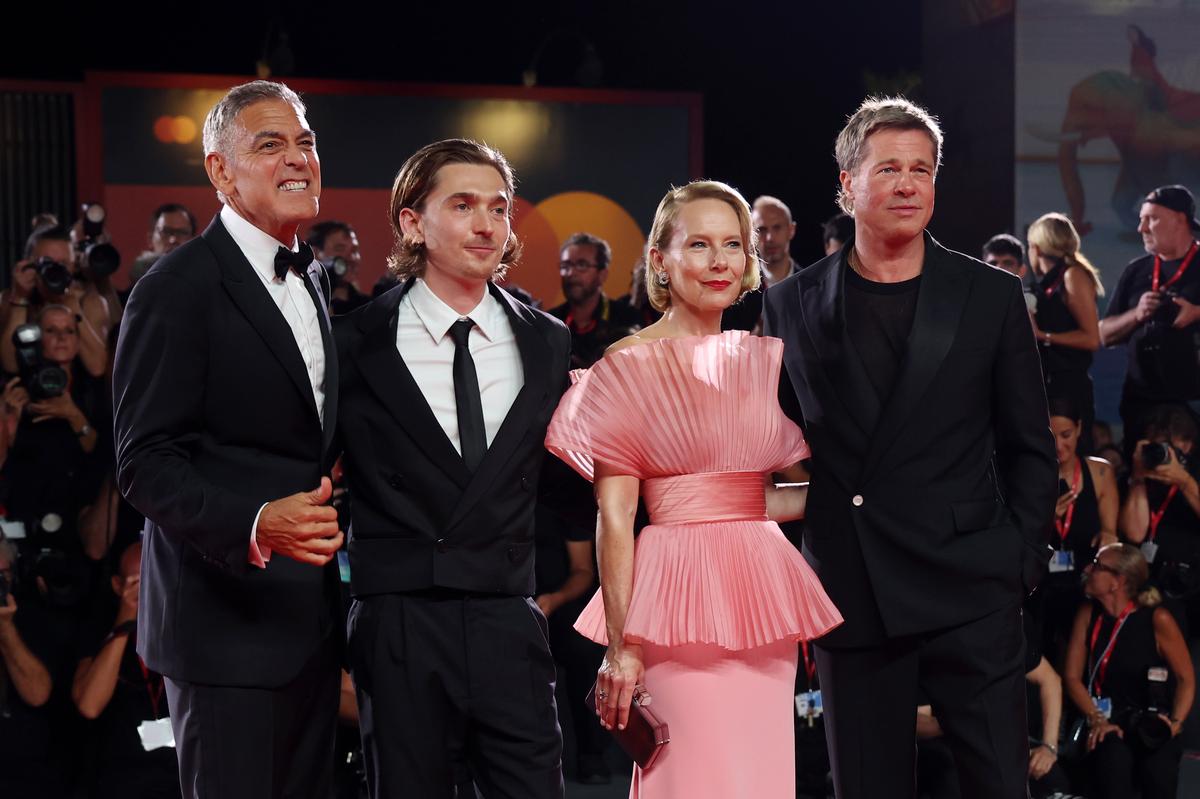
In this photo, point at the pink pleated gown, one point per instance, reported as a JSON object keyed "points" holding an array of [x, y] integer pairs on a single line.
{"points": [[720, 597]]}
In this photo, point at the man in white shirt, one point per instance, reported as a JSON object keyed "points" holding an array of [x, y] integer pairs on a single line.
{"points": [[225, 388], [448, 383]]}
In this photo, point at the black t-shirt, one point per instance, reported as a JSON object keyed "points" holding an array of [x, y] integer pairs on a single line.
{"points": [[879, 317], [1163, 365], [612, 321], [138, 696]]}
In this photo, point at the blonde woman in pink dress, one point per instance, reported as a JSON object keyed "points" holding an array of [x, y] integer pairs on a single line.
{"points": [[706, 608]]}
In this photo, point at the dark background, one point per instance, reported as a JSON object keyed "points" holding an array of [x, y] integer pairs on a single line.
{"points": [[778, 78]]}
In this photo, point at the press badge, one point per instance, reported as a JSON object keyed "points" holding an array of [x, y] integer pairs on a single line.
{"points": [[1103, 706], [1062, 561], [809, 705], [1149, 550], [156, 734], [1157, 674]]}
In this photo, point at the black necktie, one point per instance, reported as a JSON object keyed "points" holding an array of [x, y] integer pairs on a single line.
{"points": [[471, 434], [298, 261]]}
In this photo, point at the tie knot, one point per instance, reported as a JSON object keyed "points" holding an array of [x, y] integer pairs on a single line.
{"points": [[298, 261], [460, 331]]}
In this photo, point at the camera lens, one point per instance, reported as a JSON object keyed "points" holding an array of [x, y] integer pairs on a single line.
{"points": [[1155, 454], [54, 275], [102, 259]]}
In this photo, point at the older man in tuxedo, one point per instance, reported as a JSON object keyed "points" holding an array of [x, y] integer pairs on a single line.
{"points": [[226, 396], [933, 471]]}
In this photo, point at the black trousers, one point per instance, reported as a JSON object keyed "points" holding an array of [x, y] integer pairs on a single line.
{"points": [[258, 743], [579, 659], [452, 683], [972, 674], [1121, 768]]}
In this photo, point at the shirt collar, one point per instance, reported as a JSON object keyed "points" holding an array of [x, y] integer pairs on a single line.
{"points": [[437, 316], [258, 247]]}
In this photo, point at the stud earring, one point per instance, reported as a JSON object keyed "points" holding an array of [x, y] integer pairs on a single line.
{"points": [[662, 278]]}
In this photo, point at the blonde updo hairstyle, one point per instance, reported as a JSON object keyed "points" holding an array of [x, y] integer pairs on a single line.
{"points": [[1055, 237], [663, 231], [1130, 563]]}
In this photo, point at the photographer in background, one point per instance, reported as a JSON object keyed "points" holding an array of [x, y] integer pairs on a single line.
{"points": [[127, 700], [96, 261], [335, 245], [1156, 310], [47, 275], [171, 225], [1161, 513], [52, 467], [26, 762], [1129, 674]]}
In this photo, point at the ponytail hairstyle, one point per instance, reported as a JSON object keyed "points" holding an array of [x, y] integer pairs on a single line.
{"points": [[1055, 237], [1130, 563]]}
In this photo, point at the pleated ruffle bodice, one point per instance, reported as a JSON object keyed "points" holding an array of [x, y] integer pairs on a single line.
{"points": [[697, 421]]}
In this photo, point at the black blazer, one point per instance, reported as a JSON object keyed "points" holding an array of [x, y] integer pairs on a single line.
{"points": [[932, 509], [214, 417], [420, 518]]}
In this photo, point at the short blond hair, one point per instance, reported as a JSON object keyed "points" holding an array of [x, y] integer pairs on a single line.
{"points": [[663, 230], [875, 114]]}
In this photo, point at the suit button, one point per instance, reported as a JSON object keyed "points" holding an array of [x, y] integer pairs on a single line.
{"points": [[857, 501], [525, 484], [440, 544], [514, 554], [396, 481]]}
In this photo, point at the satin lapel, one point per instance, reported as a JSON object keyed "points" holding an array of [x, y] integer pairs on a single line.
{"points": [[535, 358], [248, 293], [316, 291], [825, 318], [386, 373], [943, 295]]}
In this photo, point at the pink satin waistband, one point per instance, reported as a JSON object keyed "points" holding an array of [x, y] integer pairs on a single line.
{"points": [[706, 497]]}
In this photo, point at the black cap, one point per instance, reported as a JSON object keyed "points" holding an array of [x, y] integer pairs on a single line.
{"points": [[1177, 198]]}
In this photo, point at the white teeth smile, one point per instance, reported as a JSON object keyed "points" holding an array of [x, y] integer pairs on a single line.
{"points": [[294, 185]]}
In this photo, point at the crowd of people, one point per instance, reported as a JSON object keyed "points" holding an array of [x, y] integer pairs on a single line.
{"points": [[1110, 682]]}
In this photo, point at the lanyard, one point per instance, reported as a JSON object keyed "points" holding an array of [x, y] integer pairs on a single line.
{"points": [[155, 696], [1054, 287], [1064, 526], [1101, 667], [810, 664], [602, 316], [1156, 516], [1187, 260]]}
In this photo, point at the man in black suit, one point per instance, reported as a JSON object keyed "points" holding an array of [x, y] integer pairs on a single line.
{"points": [[225, 388], [933, 472], [448, 384]]}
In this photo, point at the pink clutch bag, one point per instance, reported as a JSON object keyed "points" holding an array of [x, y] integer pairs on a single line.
{"points": [[645, 736]]}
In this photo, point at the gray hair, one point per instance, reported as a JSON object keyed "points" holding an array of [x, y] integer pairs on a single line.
{"points": [[881, 113], [221, 122]]}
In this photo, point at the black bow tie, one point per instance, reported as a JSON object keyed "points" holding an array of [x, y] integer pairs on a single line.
{"points": [[298, 261]]}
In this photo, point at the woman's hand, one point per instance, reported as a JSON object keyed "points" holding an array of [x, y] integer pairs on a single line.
{"points": [[620, 673], [1176, 726], [1064, 502], [60, 407], [1041, 760], [1101, 730]]}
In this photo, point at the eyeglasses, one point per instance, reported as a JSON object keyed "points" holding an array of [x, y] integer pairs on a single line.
{"points": [[567, 267], [1097, 565]]}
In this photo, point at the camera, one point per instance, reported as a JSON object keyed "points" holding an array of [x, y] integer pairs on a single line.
{"points": [[55, 277], [335, 270], [102, 258], [43, 380], [1156, 454]]}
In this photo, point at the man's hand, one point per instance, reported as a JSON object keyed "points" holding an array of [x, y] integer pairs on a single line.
{"points": [[1189, 313], [1041, 760], [127, 610], [7, 612], [303, 526], [24, 279], [1147, 305]]}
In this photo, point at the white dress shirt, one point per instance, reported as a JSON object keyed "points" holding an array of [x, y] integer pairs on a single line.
{"points": [[300, 313], [423, 340]]}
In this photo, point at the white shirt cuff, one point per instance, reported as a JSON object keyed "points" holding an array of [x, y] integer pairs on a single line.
{"points": [[259, 554]]}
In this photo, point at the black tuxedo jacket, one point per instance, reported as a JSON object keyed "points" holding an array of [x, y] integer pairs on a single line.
{"points": [[930, 509], [214, 417], [420, 519]]}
